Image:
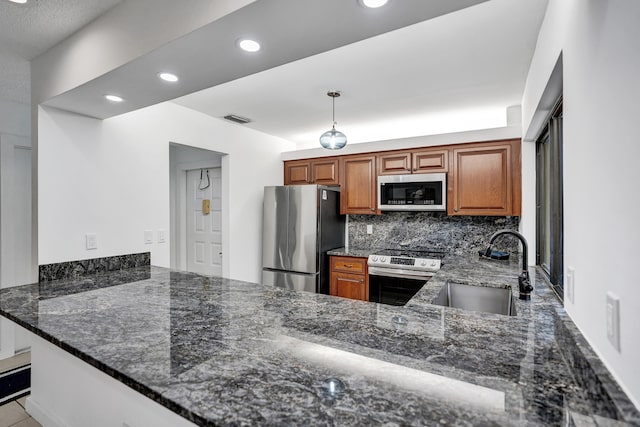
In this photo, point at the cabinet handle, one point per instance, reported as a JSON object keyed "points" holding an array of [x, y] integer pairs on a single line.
{"points": [[351, 280], [373, 209], [415, 169], [349, 265], [455, 209]]}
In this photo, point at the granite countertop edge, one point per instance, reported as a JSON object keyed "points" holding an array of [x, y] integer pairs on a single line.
{"points": [[114, 373], [581, 355], [471, 270]]}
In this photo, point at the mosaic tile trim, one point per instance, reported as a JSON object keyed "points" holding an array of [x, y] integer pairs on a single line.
{"points": [[85, 267]]}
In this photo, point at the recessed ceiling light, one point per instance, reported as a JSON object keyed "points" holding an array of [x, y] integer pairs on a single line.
{"points": [[114, 98], [249, 45], [168, 77], [18, 1], [374, 3]]}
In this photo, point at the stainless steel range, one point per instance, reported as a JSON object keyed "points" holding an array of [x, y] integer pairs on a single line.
{"points": [[396, 275]]}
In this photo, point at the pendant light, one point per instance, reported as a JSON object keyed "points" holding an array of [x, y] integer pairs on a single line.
{"points": [[333, 139]]}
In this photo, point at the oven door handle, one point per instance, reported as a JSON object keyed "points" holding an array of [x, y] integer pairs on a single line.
{"points": [[400, 274]]}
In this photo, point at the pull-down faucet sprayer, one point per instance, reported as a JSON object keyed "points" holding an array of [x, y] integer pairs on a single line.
{"points": [[524, 282]]}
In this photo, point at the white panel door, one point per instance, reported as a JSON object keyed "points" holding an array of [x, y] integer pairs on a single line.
{"points": [[204, 232]]}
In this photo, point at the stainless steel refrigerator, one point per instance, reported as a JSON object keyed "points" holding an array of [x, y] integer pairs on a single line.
{"points": [[300, 224]]}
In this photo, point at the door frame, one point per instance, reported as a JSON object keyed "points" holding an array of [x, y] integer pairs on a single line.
{"points": [[181, 207], [11, 339]]}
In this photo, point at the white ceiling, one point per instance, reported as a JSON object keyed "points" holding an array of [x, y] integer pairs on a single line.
{"points": [[410, 68], [452, 73], [27, 30], [288, 30]]}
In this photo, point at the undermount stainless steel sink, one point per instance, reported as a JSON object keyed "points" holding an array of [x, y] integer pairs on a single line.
{"points": [[477, 298]]}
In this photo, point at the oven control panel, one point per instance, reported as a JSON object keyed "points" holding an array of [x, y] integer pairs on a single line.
{"points": [[424, 264], [402, 261]]}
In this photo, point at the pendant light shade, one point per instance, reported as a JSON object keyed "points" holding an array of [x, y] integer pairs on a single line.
{"points": [[333, 139]]}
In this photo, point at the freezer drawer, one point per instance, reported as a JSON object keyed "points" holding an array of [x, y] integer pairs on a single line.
{"points": [[289, 280]]}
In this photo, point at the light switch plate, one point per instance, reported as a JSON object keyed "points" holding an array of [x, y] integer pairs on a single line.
{"points": [[613, 320], [570, 288], [148, 237], [162, 236], [91, 241], [369, 229]]}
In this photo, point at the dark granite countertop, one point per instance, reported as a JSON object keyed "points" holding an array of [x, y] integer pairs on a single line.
{"points": [[219, 351], [353, 252]]}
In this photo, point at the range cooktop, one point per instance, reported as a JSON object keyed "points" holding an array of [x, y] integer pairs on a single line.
{"points": [[423, 259], [413, 253]]}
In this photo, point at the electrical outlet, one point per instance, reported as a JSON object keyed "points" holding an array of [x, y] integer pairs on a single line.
{"points": [[369, 229], [91, 241], [162, 236], [613, 320], [148, 237], [570, 288]]}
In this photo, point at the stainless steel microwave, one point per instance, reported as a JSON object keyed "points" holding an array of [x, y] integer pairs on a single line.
{"points": [[415, 192]]}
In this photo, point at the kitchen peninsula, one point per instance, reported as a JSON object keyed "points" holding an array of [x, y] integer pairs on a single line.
{"points": [[217, 351]]}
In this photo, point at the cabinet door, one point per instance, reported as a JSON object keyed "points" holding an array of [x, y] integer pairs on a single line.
{"points": [[481, 181], [297, 172], [394, 163], [429, 161], [325, 172], [348, 286], [358, 177]]}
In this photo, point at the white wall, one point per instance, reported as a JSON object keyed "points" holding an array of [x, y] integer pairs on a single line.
{"points": [[601, 64], [508, 132], [111, 177]]}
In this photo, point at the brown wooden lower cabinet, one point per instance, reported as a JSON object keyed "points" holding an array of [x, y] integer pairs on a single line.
{"points": [[348, 286], [349, 278]]}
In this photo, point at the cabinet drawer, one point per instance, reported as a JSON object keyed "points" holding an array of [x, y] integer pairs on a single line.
{"points": [[348, 264]]}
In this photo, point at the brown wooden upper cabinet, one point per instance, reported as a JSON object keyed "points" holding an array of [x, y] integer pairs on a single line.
{"points": [[417, 161], [394, 163], [323, 171], [358, 182], [428, 161], [485, 179]]}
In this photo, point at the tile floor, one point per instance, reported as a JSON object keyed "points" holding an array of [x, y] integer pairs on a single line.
{"points": [[12, 414]]}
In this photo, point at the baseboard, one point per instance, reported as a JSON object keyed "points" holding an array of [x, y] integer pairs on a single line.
{"points": [[41, 415]]}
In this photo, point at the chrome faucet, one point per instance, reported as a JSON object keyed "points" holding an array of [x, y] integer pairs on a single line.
{"points": [[524, 282]]}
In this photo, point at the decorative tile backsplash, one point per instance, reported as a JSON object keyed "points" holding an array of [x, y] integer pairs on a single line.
{"points": [[434, 230], [75, 269]]}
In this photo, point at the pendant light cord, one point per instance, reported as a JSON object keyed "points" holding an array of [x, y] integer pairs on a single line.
{"points": [[333, 110]]}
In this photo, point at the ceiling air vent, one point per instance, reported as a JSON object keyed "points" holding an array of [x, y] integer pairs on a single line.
{"points": [[237, 119]]}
